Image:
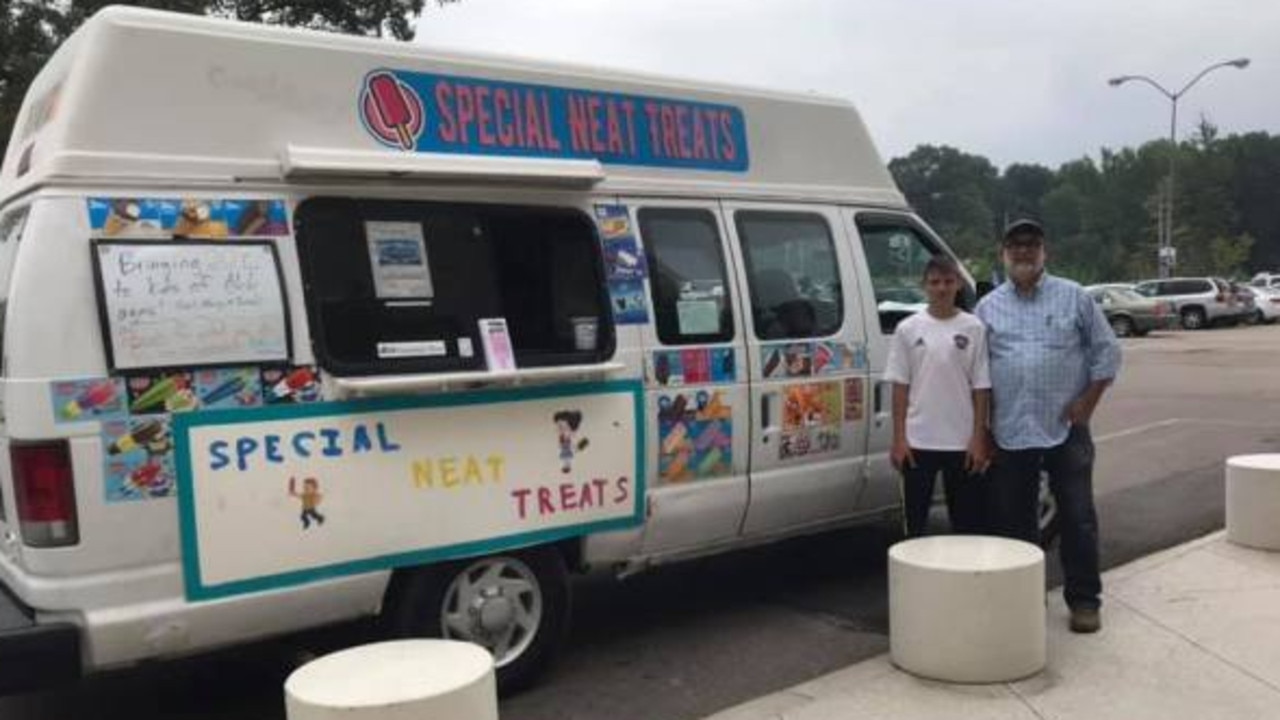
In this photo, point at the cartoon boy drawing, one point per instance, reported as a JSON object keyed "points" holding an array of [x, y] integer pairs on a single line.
{"points": [[567, 424], [310, 498]]}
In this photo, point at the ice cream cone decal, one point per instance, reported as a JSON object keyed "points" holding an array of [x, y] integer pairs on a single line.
{"points": [[392, 111]]}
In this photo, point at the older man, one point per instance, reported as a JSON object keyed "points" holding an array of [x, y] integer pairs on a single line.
{"points": [[1053, 354]]}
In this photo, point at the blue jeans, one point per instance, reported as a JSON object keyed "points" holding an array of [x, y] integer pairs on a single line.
{"points": [[1015, 500]]}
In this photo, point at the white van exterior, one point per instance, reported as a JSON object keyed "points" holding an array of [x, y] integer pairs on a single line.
{"points": [[715, 253]]}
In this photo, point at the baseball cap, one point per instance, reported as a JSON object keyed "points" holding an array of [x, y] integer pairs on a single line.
{"points": [[1023, 226]]}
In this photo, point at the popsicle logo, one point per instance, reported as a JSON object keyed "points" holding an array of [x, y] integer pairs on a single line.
{"points": [[391, 110]]}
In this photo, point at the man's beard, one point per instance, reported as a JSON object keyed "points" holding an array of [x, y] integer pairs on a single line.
{"points": [[1023, 270]]}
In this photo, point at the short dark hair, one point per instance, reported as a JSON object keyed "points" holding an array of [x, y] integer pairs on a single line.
{"points": [[941, 265]]}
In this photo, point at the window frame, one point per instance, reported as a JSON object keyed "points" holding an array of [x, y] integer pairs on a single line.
{"points": [[729, 333], [372, 208], [968, 299]]}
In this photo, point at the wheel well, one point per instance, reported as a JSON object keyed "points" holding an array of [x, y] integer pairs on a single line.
{"points": [[570, 549], [1182, 310]]}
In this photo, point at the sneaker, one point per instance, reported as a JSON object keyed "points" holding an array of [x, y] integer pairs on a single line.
{"points": [[1085, 620]]}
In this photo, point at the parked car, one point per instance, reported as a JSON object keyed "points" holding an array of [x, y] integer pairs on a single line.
{"points": [[1199, 302], [1131, 314], [1266, 280], [1245, 299], [1266, 303]]}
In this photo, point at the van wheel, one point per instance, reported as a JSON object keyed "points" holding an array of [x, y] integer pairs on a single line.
{"points": [[515, 605], [1193, 319]]}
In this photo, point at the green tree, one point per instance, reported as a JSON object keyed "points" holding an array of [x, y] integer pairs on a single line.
{"points": [[954, 191], [30, 30]]}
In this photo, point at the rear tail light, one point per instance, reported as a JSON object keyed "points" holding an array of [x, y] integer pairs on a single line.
{"points": [[45, 493], [1275, 299]]}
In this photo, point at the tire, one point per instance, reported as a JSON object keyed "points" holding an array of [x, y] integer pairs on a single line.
{"points": [[1047, 514], [1193, 319], [518, 609], [1122, 326], [1257, 318]]}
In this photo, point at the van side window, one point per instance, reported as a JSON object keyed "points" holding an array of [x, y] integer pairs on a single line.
{"points": [[397, 286], [793, 274], [688, 281], [896, 255]]}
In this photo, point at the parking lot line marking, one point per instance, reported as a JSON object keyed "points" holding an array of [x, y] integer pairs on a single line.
{"points": [[1139, 429]]}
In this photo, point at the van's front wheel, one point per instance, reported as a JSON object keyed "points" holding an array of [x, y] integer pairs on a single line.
{"points": [[516, 605]]}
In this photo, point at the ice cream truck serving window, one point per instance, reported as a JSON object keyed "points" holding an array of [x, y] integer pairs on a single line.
{"points": [[397, 287]]}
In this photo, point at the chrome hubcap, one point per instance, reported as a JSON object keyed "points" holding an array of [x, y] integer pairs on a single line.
{"points": [[495, 603]]}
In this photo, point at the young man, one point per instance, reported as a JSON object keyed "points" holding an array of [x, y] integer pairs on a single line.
{"points": [[938, 365], [1052, 355]]}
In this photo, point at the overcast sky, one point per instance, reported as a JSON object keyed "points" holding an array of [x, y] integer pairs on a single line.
{"points": [[1014, 80]]}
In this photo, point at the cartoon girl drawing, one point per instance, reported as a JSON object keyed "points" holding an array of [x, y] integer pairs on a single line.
{"points": [[310, 498], [567, 424]]}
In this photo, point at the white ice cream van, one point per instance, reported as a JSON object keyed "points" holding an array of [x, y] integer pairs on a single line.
{"points": [[302, 328]]}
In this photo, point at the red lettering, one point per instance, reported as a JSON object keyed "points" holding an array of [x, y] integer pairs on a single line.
{"points": [[726, 126], [682, 130], [578, 134], [567, 499], [545, 505], [548, 129], [501, 109], [444, 104], [629, 109], [466, 113], [714, 131], [593, 112], [669, 145], [520, 495], [614, 128], [485, 115], [518, 108], [532, 128], [699, 136], [588, 498], [622, 490], [600, 484], [651, 111]]}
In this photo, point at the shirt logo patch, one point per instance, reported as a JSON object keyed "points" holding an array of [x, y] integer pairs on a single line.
{"points": [[919, 342], [962, 341]]}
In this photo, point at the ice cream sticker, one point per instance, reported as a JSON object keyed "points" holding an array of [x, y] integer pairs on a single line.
{"points": [[90, 399], [695, 436]]}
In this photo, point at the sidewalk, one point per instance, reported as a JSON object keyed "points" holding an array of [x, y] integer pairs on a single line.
{"points": [[1189, 633]]}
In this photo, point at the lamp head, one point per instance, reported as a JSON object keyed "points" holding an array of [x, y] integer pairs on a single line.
{"points": [[1241, 63], [1118, 81]]}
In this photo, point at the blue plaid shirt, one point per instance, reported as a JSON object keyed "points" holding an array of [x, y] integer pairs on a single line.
{"points": [[1045, 350]]}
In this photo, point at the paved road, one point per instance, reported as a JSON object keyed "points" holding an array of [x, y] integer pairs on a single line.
{"points": [[683, 642]]}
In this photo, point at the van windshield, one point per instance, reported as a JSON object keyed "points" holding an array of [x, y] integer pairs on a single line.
{"points": [[398, 287]]}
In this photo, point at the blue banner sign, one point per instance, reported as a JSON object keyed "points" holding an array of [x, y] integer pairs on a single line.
{"points": [[423, 112]]}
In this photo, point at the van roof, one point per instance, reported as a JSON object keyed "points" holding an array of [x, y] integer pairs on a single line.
{"points": [[146, 97]]}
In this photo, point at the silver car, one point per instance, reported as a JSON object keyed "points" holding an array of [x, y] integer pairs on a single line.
{"points": [[1200, 302]]}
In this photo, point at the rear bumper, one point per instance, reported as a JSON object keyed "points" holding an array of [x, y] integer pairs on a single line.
{"points": [[34, 656]]}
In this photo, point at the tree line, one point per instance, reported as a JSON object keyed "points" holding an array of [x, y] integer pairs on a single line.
{"points": [[1102, 215]]}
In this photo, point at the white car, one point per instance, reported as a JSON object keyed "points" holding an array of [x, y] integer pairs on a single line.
{"points": [[1266, 302], [1266, 280]]}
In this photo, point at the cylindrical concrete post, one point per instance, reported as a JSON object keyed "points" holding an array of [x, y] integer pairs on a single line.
{"points": [[967, 609], [396, 680], [1253, 501]]}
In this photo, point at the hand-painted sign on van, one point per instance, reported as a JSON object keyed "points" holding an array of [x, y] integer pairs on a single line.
{"points": [[424, 112], [277, 496]]}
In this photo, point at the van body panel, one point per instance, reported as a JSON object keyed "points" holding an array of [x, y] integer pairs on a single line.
{"points": [[737, 453]]}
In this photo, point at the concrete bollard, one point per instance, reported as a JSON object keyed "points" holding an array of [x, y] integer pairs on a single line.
{"points": [[1253, 501], [967, 609], [396, 680]]}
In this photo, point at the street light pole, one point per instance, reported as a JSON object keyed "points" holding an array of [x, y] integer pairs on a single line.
{"points": [[1165, 241]]}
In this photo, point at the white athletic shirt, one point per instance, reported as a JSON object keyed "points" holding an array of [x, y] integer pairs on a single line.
{"points": [[943, 361]]}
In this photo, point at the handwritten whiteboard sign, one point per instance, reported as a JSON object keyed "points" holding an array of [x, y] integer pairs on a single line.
{"points": [[276, 496], [170, 303]]}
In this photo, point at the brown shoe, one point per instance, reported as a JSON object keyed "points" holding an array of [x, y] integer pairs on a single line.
{"points": [[1085, 620]]}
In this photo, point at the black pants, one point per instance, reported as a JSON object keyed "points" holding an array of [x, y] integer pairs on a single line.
{"points": [[966, 493], [1015, 500]]}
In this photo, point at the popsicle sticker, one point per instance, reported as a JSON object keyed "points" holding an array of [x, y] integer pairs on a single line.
{"points": [[391, 110]]}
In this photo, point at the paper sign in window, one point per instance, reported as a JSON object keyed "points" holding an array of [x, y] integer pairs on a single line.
{"points": [[698, 317], [398, 256]]}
